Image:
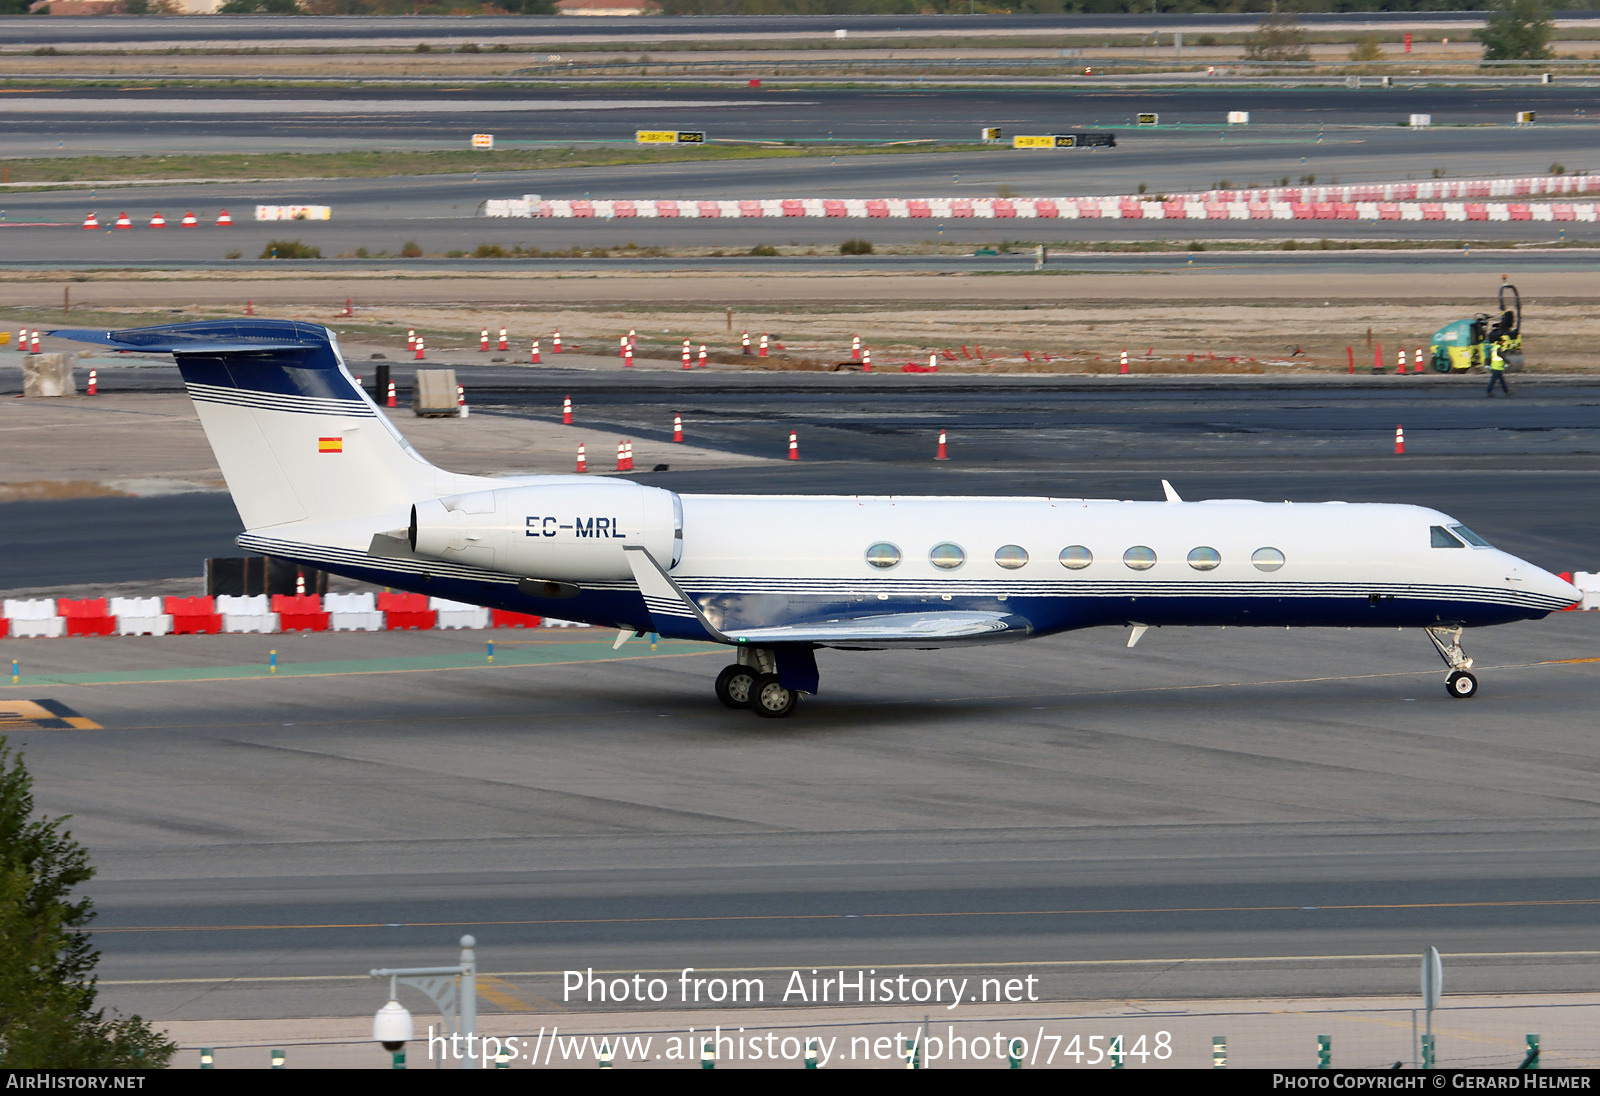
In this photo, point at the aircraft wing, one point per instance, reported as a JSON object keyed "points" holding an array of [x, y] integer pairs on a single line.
{"points": [[931, 629], [669, 605]]}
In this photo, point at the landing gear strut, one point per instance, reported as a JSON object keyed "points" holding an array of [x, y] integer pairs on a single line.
{"points": [[752, 683], [1461, 684]]}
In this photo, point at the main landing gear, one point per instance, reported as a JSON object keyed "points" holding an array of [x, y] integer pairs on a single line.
{"points": [[1461, 684], [752, 683]]}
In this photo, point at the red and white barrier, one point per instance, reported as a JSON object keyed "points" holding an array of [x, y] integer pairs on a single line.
{"points": [[259, 614], [1373, 201]]}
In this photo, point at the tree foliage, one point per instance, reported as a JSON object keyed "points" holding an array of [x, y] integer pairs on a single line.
{"points": [[1517, 30], [1277, 37], [47, 982], [260, 7]]}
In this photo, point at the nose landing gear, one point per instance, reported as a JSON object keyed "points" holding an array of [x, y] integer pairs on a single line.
{"points": [[1461, 684]]}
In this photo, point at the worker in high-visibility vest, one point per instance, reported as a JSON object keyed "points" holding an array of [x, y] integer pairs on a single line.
{"points": [[1497, 369]]}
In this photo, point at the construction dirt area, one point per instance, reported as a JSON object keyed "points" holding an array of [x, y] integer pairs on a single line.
{"points": [[1187, 321]]}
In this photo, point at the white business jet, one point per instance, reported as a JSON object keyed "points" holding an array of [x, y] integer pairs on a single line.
{"points": [[321, 476]]}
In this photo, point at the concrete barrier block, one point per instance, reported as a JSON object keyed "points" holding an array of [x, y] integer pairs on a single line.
{"points": [[457, 615], [48, 375]]}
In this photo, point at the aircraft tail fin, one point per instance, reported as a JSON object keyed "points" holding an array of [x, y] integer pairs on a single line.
{"points": [[297, 439]]}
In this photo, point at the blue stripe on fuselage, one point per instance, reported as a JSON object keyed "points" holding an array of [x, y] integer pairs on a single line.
{"points": [[625, 607]]}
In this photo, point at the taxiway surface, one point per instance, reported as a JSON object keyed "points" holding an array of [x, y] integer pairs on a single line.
{"points": [[1212, 814]]}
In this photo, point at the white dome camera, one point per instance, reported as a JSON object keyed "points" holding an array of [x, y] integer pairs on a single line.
{"points": [[392, 1026]]}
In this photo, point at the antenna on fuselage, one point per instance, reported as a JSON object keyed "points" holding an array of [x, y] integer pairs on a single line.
{"points": [[1172, 494]]}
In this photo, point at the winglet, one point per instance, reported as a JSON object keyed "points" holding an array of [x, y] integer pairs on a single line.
{"points": [[1172, 494]]}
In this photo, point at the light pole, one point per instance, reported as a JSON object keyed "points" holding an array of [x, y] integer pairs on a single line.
{"points": [[453, 989]]}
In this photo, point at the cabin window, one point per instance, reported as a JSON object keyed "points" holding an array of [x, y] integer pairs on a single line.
{"points": [[947, 557], [1076, 557], [1440, 537], [883, 555], [1139, 557], [1267, 559], [1011, 556], [1470, 537], [1204, 559]]}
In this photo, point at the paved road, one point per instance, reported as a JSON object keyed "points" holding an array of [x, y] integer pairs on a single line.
{"points": [[439, 212], [79, 121], [260, 29]]}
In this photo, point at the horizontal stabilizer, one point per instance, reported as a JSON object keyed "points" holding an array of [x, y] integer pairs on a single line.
{"points": [[206, 337]]}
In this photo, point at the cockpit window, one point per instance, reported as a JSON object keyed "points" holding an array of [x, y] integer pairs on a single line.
{"points": [[1441, 537], [1470, 537]]}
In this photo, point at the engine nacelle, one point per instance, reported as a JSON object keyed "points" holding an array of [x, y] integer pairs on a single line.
{"points": [[571, 532]]}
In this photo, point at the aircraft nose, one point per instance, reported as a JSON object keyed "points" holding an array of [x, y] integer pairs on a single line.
{"points": [[1549, 585]]}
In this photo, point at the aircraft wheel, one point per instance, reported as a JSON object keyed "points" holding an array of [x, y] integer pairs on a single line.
{"points": [[771, 700], [1461, 685], [734, 685]]}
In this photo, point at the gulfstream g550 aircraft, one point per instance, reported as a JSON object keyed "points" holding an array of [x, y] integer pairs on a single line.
{"points": [[321, 476]]}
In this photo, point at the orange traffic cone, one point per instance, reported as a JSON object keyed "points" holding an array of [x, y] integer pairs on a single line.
{"points": [[746, 337], [1124, 367], [677, 428], [158, 221], [555, 347], [189, 220], [419, 348], [763, 351], [622, 465], [794, 446], [411, 338], [249, 308], [35, 346], [866, 361], [1399, 441], [1400, 363], [702, 355], [504, 345], [855, 348], [566, 411], [91, 221], [686, 364], [583, 465], [223, 220], [483, 341], [627, 358], [391, 401], [943, 453], [1416, 362], [534, 359], [349, 308], [94, 382], [123, 221]]}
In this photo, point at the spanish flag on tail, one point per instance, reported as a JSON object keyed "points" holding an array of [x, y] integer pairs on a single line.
{"points": [[330, 445]]}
